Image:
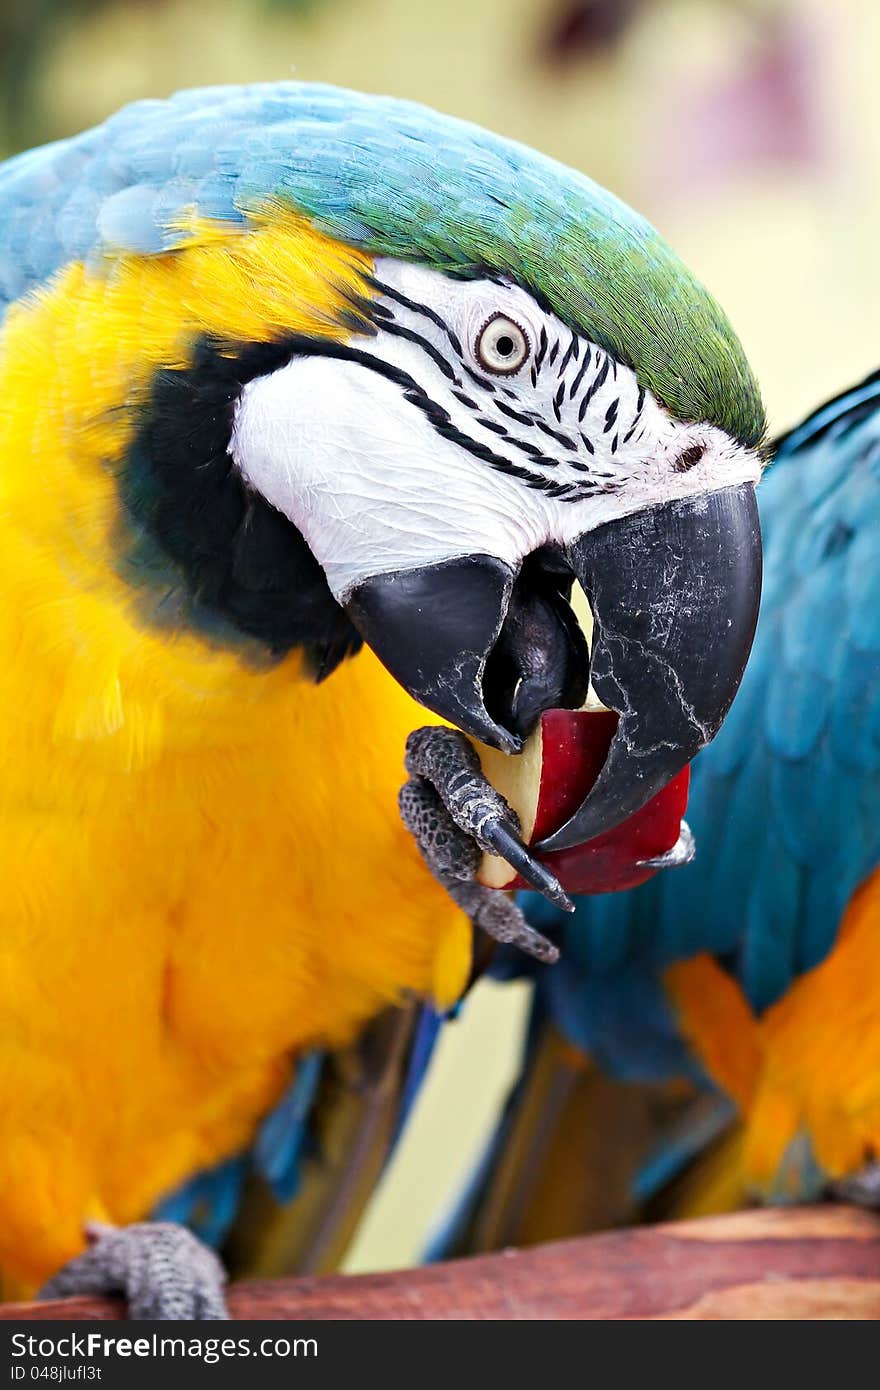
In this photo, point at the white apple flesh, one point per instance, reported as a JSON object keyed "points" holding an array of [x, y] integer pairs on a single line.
{"points": [[547, 782]]}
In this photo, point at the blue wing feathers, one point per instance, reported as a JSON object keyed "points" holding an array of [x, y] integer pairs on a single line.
{"points": [[427, 1032], [854, 730], [208, 1203], [283, 1137], [785, 803], [768, 959]]}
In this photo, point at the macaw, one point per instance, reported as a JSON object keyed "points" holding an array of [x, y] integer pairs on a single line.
{"points": [[312, 402], [738, 999]]}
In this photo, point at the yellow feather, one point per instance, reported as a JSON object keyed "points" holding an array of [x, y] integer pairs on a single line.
{"points": [[203, 865]]}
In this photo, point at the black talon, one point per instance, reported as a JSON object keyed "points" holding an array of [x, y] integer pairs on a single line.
{"points": [[506, 843]]}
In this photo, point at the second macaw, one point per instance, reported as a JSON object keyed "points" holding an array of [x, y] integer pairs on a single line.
{"points": [[738, 999]]}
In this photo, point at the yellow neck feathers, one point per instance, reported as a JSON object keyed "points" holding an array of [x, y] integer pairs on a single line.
{"points": [[203, 865]]}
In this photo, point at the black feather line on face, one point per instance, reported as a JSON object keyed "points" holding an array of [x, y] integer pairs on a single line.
{"points": [[213, 554], [567, 356], [424, 309], [582, 371], [398, 330], [531, 422], [564, 439], [439, 417], [227, 563], [542, 348]]}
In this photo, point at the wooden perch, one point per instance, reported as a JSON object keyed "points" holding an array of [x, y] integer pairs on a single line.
{"points": [[797, 1263]]}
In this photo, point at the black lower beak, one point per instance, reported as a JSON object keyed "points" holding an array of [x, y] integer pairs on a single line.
{"points": [[674, 593], [483, 645], [433, 628]]}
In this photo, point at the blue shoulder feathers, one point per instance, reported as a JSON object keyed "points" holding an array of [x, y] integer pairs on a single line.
{"points": [[785, 802]]}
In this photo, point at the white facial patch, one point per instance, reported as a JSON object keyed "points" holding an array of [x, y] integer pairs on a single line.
{"points": [[406, 449]]}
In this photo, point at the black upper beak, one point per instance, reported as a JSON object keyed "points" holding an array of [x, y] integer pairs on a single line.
{"points": [[674, 593]]}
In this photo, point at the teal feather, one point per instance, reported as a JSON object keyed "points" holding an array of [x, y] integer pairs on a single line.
{"points": [[207, 1203], [785, 803], [396, 179]]}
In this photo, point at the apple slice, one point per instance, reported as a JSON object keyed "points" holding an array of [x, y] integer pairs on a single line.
{"points": [[547, 782]]}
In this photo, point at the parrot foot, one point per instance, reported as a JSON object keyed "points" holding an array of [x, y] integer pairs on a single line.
{"points": [[862, 1189], [453, 854], [446, 759], [161, 1269]]}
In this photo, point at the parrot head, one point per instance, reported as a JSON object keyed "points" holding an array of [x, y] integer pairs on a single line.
{"points": [[527, 390], [457, 471]]}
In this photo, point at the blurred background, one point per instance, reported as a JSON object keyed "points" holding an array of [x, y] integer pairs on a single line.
{"points": [[748, 131]]}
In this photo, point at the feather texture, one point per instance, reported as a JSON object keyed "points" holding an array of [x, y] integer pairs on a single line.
{"points": [[395, 179], [783, 892], [207, 844], [192, 837]]}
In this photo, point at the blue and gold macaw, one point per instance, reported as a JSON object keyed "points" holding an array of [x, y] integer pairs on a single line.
{"points": [[745, 986], [304, 394]]}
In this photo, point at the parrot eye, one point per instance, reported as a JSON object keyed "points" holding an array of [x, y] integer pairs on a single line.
{"points": [[502, 346]]}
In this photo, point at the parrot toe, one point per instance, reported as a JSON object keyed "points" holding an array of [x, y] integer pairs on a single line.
{"points": [[161, 1269], [448, 761], [862, 1189], [452, 852]]}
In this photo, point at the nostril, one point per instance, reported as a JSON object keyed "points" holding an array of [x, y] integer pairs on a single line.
{"points": [[688, 458]]}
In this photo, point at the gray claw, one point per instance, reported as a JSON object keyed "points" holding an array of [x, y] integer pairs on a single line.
{"points": [[161, 1269], [454, 858], [682, 852], [446, 759]]}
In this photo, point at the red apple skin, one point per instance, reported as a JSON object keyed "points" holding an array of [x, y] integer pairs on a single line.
{"points": [[575, 745]]}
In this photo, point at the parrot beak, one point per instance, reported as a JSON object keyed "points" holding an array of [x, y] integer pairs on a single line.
{"points": [[433, 628], [674, 595]]}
